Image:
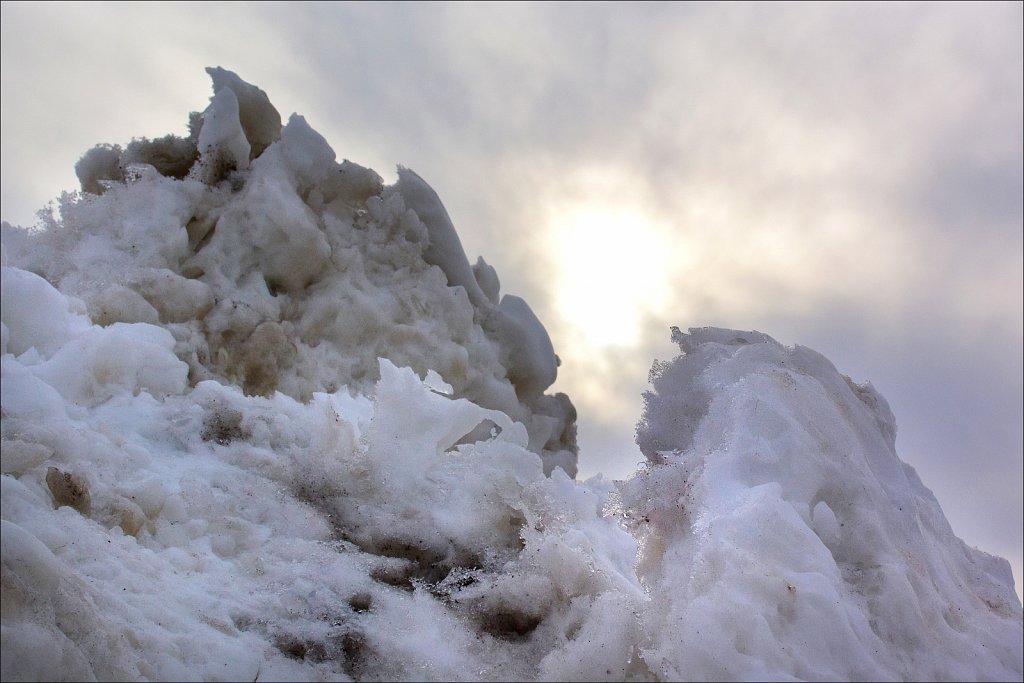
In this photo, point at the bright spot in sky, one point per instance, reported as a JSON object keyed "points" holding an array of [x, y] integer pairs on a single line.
{"points": [[614, 266]]}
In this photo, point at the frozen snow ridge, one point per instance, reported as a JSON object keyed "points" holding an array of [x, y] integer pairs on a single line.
{"points": [[785, 538], [262, 420]]}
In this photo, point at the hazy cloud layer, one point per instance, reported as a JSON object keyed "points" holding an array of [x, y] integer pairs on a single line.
{"points": [[845, 176]]}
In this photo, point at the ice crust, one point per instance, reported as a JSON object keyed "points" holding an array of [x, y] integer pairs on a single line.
{"points": [[262, 420]]}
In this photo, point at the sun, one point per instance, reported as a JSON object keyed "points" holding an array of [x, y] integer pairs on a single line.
{"points": [[613, 267]]}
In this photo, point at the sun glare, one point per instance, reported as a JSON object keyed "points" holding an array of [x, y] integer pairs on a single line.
{"points": [[613, 267]]}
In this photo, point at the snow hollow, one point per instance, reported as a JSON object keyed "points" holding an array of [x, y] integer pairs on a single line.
{"points": [[263, 419]]}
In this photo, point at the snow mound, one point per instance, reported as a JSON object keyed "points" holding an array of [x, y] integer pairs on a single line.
{"points": [[786, 540], [262, 420], [277, 268]]}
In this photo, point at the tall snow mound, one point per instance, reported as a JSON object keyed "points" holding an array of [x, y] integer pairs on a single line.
{"points": [[277, 268], [784, 539], [261, 420]]}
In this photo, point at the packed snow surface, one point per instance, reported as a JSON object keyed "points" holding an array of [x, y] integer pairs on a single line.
{"points": [[262, 420]]}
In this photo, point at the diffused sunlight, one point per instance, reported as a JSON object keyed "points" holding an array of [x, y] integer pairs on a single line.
{"points": [[614, 267]]}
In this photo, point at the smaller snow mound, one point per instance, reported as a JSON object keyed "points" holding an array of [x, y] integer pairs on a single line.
{"points": [[788, 540]]}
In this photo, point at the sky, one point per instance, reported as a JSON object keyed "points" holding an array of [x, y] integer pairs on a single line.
{"points": [[843, 176]]}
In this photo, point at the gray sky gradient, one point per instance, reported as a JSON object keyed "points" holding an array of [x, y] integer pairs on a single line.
{"points": [[843, 176]]}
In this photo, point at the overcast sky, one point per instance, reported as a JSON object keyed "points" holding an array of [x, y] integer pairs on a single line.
{"points": [[843, 176]]}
